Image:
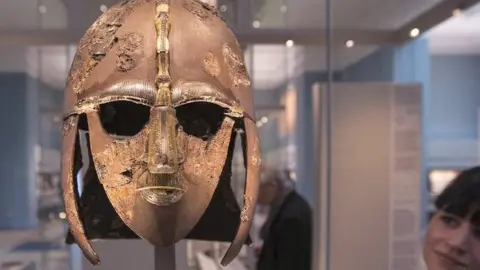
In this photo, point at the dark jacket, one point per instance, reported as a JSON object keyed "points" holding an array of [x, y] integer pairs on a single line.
{"points": [[289, 239]]}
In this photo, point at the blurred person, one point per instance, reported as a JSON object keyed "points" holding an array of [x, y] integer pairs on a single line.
{"points": [[287, 232], [452, 240]]}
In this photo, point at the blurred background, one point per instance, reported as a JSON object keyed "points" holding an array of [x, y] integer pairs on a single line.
{"points": [[374, 105]]}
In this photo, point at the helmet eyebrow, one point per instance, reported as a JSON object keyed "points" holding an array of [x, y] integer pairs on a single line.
{"points": [[134, 88], [187, 92], [137, 91]]}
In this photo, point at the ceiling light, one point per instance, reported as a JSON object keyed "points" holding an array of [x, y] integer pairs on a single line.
{"points": [[456, 12], [62, 215], [350, 43], [223, 8], [256, 24], [414, 32], [42, 9], [264, 119], [289, 43], [103, 8], [283, 8]]}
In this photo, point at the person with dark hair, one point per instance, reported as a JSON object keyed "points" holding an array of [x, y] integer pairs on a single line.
{"points": [[287, 233], [453, 236]]}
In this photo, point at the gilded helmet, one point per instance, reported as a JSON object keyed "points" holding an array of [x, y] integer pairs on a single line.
{"points": [[161, 90]]}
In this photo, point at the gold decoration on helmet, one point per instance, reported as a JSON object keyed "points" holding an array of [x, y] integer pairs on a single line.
{"points": [[163, 154]]}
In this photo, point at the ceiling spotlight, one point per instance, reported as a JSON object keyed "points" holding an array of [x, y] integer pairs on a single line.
{"points": [[414, 32], [256, 24], [289, 43], [456, 12], [223, 8], [42, 9], [283, 8], [103, 8], [264, 119], [350, 43]]}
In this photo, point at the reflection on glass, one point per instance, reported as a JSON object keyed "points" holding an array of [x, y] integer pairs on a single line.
{"points": [[439, 179], [228, 10]]}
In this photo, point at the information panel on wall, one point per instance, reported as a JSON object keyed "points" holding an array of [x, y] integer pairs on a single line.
{"points": [[405, 170]]}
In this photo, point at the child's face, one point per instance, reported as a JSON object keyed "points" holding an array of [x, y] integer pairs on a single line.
{"points": [[451, 243]]}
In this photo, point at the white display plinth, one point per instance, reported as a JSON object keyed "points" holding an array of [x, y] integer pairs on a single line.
{"points": [[134, 254], [371, 196]]}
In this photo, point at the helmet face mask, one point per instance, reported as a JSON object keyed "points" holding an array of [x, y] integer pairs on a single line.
{"points": [[162, 89]]}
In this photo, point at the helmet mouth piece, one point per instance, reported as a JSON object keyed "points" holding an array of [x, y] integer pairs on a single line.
{"points": [[162, 196], [162, 189]]}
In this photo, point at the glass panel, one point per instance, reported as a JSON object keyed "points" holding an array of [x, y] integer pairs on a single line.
{"points": [[269, 14], [53, 14], [452, 134], [398, 122], [29, 19], [288, 14], [387, 72], [229, 10]]}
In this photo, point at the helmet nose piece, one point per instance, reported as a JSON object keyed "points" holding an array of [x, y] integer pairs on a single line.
{"points": [[162, 141], [160, 164]]}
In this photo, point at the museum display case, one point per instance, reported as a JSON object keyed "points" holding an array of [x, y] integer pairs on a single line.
{"points": [[372, 108]]}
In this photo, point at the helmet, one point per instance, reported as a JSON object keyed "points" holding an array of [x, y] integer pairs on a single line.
{"points": [[162, 90]]}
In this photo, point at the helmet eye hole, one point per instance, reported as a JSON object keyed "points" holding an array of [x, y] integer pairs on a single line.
{"points": [[200, 119], [123, 118]]}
